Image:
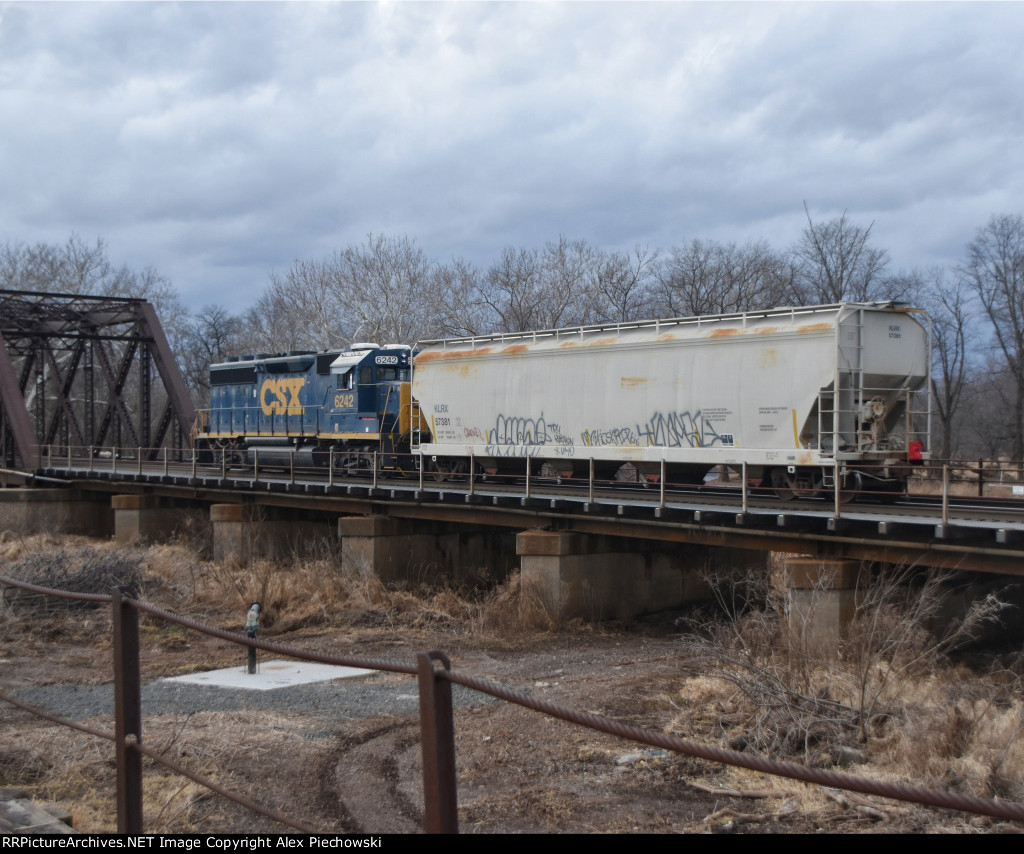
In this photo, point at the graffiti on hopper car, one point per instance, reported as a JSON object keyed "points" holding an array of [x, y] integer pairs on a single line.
{"points": [[511, 451], [661, 429], [518, 431], [678, 430], [664, 430], [619, 437], [512, 430]]}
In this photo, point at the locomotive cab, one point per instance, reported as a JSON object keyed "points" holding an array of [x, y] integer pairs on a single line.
{"points": [[368, 400]]}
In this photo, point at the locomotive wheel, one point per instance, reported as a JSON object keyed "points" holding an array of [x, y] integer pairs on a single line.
{"points": [[355, 465]]}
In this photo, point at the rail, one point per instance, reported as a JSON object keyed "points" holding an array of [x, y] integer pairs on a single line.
{"points": [[435, 677]]}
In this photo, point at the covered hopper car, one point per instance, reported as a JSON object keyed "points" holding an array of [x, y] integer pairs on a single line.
{"points": [[800, 395]]}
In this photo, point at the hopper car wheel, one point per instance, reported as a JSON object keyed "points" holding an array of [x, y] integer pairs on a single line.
{"points": [[449, 469], [782, 483], [804, 484], [852, 486]]}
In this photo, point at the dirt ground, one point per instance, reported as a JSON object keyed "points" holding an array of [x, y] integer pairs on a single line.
{"points": [[518, 771]]}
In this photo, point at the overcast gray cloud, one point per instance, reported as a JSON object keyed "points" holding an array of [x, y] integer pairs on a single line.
{"points": [[218, 142]]}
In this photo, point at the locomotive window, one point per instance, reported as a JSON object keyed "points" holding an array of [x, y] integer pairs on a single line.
{"points": [[392, 374], [365, 375], [345, 379]]}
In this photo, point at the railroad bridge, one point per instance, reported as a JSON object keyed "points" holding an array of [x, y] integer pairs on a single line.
{"points": [[96, 420]]}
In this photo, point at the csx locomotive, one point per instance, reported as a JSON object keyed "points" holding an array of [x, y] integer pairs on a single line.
{"points": [[798, 395], [350, 407]]}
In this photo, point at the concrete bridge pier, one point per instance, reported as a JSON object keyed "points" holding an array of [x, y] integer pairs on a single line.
{"points": [[823, 594], [66, 511], [602, 577], [415, 551], [242, 532], [150, 518]]}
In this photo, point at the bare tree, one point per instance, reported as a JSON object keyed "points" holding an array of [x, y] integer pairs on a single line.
{"points": [[213, 335], [459, 308], [985, 419], [384, 290], [296, 311], [995, 270], [835, 263], [623, 282], [707, 277], [950, 314], [386, 287]]}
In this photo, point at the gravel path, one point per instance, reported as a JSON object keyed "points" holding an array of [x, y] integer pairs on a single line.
{"points": [[359, 698]]}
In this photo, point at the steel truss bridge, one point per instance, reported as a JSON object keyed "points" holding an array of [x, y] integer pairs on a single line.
{"points": [[86, 370]]}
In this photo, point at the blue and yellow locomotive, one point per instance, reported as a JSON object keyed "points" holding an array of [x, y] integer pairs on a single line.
{"points": [[346, 407]]}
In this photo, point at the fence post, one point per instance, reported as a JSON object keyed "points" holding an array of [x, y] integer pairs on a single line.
{"points": [[437, 736], [945, 494], [127, 711]]}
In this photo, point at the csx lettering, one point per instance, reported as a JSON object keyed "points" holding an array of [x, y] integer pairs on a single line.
{"points": [[279, 397]]}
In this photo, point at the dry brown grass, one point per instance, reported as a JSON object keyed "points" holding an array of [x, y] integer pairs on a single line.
{"points": [[298, 592], [891, 693], [890, 697]]}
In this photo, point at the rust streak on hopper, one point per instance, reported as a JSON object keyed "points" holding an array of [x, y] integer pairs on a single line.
{"points": [[431, 356]]}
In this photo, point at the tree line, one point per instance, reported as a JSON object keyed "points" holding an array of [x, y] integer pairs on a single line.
{"points": [[388, 290]]}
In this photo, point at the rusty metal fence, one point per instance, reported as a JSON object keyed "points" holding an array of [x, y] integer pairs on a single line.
{"points": [[437, 727]]}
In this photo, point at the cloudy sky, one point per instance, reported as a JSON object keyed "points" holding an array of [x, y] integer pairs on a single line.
{"points": [[220, 141]]}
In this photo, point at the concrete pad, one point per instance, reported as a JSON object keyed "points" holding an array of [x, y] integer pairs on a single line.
{"points": [[270, 675]]}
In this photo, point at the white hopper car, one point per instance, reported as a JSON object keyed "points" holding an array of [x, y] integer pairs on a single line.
{"points": [[797, 394]]}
